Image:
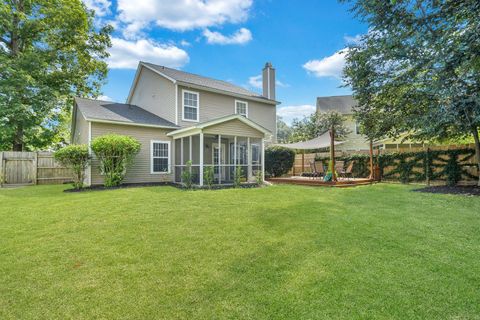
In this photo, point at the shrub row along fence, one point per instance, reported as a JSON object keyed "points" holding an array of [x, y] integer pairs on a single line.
{"points": [[437, 164], [29, 168]]}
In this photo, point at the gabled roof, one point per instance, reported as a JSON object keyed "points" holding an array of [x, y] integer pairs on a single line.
{"points": [[197, 128], [201, 82], [342, 104], [113, 112]]}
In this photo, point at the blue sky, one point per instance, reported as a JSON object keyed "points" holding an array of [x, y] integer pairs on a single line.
{"points": [[231, 40]]}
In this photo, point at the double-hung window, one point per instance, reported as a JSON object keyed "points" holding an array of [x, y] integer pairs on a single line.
{"points": [[241, 107], [160, 156], [190, 105]]}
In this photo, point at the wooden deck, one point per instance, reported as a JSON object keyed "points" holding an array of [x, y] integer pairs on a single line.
{"points": [[318, 182]]}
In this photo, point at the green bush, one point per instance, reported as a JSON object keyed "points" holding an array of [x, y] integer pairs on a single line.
{"points": [[208, 177], [237, 178], [278, 160], [187, 177], [116, 153], [75, 157]]}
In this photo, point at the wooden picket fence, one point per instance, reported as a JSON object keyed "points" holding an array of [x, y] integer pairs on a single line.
{"points": [[30, 168]]}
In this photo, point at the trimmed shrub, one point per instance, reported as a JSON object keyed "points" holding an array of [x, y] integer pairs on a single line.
{"points": [[208, 177], [75, 157], [187, 177], [278, 160], [116, 153], [237, 178]]}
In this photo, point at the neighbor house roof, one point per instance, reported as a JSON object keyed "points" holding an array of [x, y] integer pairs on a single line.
{"points": [[113, 112], [342, 104], [201, 82]]}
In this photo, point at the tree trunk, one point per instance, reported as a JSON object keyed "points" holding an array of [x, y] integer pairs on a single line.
{"points": [[332, 153], [17, 144], [371, 161], [477, 151]]}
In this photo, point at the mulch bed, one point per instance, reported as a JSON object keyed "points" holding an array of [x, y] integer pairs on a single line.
{"points": [[155, 184], [462, 190]]}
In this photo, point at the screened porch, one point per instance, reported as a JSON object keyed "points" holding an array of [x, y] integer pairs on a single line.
{"points": [[220, 153]]}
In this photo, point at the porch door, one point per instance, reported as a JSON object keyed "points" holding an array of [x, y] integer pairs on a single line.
{"points": [[216, 169]]}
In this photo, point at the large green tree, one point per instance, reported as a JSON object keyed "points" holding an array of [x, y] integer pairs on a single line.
{"points": [[425, 63], [50, 51]]}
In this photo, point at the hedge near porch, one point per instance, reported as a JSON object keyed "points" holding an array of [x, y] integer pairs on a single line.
{"points": [[451, 166]]}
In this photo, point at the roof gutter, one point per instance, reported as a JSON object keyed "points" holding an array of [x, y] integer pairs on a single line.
{"points": [[131, 124]]}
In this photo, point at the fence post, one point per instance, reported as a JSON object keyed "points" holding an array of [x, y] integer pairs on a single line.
{"points": [[2, 175], [427, 166], [35, 168]]}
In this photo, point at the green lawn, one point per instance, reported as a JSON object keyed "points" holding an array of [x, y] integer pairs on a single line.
{"points": [[282, 252]]}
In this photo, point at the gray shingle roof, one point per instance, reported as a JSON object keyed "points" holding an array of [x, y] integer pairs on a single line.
{"points": [[198, 80], [119, 112], [342, 104]]}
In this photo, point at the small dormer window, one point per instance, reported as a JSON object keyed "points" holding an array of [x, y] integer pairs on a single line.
{"points": [[241, 107], [190, 106]]}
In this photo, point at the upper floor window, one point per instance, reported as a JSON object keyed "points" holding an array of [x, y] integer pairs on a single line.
{"points": [[241, 107], [190, 105]]}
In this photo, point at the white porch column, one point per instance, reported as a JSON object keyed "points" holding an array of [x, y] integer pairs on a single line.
{"points": [[249, 160], [201, 158], [263, 160], [235, 160], [190, 152], [181, 152], [219, 159]]}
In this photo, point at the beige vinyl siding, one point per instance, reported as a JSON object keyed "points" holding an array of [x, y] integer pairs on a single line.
{"points": [[139, 171], [354, 141], [215, 105], [80, 136], [233, 128], [155, 94]]}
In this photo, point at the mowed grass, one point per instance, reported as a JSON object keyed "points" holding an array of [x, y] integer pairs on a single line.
{"points": [[282, 252]]}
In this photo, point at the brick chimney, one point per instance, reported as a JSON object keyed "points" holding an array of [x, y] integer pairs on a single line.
{"points": [[268, 79]]}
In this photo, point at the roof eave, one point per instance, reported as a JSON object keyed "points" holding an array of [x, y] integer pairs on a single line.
{"points": [[135, 124], [237, 95]]}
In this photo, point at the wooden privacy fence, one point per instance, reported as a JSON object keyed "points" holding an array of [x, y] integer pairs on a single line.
{"points": [[30, 168]]}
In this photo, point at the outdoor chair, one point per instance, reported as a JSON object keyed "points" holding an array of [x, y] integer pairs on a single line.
{"points": [[347, 172], [339, 167], [313, 168], [319, 168]]}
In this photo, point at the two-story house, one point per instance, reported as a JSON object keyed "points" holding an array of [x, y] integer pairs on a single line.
{"points": [[181, 118]]}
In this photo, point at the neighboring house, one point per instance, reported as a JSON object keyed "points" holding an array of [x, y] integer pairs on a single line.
{"points": [[180, 117], [356, 141]]}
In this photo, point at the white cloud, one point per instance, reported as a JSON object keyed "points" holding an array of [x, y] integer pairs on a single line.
{"points": [[331, 66], [256, 82], [352, 39], [242, 36], [104, 98], [181, 15], [126, 54], [185, 43], [101, 7], [288, 113]]}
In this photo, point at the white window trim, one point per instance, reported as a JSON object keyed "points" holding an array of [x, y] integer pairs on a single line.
{"points": [[151, 156], [357, 128], [183, 105], [246, 108]]}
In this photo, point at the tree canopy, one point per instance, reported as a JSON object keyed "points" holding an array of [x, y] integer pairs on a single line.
{"points": [[50, 51], [417, 70]]}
